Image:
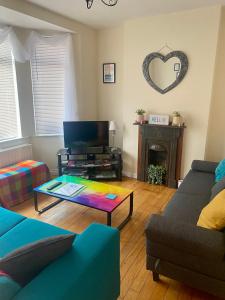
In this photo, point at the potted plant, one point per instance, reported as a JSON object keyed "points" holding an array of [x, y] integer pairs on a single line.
{"points": [[140, 115], [177, 119], [156, 174]]}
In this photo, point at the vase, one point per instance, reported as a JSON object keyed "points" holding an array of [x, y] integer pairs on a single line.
{"points": [[140, 118], [176, 121]]}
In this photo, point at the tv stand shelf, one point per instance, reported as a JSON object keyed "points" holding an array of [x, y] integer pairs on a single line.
{"points": [[95, 166]]}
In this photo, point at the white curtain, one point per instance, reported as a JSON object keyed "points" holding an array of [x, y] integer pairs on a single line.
{"points": [[70, 96], [19, 52], [71, 101], [23, 54]]}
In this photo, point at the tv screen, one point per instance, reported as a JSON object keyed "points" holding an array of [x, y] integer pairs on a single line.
{"points": [[86, 134]]}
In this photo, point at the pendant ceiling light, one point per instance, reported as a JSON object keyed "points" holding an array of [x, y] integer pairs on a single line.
{"points": [[106, 2]]}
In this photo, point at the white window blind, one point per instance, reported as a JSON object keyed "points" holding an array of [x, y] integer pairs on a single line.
{"points": [[9, 109], [48, 77]]}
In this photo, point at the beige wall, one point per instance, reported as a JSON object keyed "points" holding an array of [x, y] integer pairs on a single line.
{"points": [[215, 149], [45, 149], [110, 49], [85, 52], [194, 32]]}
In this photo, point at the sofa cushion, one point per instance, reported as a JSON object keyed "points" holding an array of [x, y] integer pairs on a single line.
{"points": [[198, 183], [27, 232], [218, 187], [26, 262], [8, 287], [220, 170], [185, 207], [8, 220], [213, 215]]}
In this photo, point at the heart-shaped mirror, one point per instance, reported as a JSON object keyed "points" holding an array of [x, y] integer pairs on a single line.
{"points": [[165, 72]]}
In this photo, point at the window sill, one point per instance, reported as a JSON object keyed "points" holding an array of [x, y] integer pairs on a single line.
{"points": [[47, 135], [24, 140], [14, 142]]}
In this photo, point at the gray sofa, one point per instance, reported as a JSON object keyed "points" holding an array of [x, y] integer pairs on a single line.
{"points": [[177, 247]]}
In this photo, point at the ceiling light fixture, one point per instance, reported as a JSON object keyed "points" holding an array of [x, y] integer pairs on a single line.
{"points": [[106, 2]]}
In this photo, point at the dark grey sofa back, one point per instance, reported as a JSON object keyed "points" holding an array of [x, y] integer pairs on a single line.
{"points": [[204, 166]]}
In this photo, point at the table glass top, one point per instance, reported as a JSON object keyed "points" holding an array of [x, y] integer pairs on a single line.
{"points": [[94, 194]]}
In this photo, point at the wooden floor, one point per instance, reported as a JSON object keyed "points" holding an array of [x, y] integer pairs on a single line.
{"points": [[136, 281]]}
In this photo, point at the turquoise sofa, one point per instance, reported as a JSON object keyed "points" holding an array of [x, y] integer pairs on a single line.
{"points": [[89, 271]]}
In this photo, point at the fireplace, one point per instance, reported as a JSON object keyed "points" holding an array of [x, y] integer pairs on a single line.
{"points": [[160, 145], [157, 155]]}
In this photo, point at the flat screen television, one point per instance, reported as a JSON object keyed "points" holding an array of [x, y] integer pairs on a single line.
{"points": [[86, 134]]}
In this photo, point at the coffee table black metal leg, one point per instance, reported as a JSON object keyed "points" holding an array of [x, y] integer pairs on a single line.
{"points": [[129, 214], [109, 215], [40, 211], [35, 201], [109, 219]]}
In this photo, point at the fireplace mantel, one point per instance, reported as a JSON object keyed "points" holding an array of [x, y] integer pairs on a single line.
{"points": [[166, 139]]}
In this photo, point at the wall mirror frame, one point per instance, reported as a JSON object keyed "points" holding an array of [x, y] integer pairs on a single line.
{"points": [[181, 56]]}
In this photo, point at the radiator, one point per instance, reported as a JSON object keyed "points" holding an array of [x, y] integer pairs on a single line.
{"points": [[9, 156]]}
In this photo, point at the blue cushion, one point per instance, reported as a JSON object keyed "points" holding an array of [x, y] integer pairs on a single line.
{"points": [[27, 232], [8, 220], [8, 288], [220, 170]]}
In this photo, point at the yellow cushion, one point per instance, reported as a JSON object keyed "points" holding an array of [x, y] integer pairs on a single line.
{"points": [[213, 215]]}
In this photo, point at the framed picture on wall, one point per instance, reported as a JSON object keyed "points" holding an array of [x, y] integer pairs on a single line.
{"points": [[109, 73]]}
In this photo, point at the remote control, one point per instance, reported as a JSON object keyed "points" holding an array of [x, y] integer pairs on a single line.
{"points": [[54, 185]]}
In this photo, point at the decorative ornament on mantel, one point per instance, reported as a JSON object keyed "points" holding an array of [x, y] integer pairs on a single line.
{"points": [[106, 2], [177, 119], [140, 116]]}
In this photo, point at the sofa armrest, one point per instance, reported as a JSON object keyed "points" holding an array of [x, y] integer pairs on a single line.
{"points": [[204, 166], [90, 270], [187, 238]]}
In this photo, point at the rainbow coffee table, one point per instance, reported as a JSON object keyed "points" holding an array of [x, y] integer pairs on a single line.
{"points": [[93, 195]]}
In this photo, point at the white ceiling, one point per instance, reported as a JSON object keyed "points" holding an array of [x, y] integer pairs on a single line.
{"points": [[14, 18], [100, 16]]}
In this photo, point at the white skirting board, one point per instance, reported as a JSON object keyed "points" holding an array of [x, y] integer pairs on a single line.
{"points": [[129, 174]]}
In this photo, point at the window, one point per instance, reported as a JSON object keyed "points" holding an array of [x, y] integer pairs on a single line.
{"points": [[9, 107], [48, 73]]}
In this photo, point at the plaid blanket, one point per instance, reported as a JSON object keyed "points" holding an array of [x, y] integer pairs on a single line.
{"points": [[17, 181]]}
